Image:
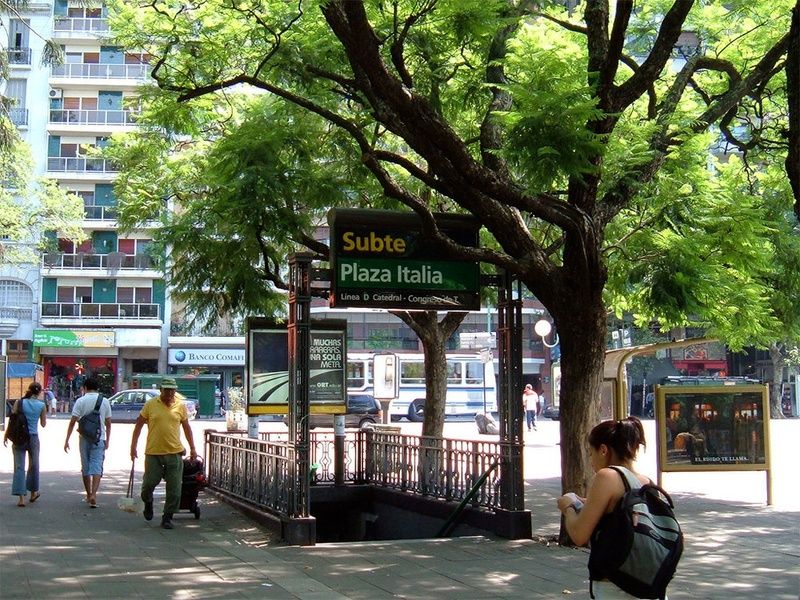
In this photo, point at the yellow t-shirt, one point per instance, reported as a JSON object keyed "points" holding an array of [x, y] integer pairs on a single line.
{"points": [[164, 426]]}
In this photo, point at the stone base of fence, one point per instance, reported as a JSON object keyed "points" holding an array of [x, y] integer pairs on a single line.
{"points": [[513, 524]]}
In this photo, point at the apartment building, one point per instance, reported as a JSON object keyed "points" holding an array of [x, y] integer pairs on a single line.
{"points": [[100, 307]]}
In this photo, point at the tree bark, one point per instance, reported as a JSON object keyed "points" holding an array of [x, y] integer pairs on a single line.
{"points": [[434, 335], [775, 391]]}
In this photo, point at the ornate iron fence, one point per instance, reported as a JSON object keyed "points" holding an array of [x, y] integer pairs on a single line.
{"points": [[258, 471], [252, 470], [437, 467]]}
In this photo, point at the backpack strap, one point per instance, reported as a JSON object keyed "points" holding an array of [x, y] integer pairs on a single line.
{"points": [[99, 401], [628, 478]]}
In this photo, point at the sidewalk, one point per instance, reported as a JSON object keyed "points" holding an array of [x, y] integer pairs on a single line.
{"points": [[60, 548]]}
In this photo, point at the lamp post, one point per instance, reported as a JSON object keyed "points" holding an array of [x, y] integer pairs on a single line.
{"points": [[543, 329]]}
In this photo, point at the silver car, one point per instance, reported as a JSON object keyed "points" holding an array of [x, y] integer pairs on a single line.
{"points": [[127, 404]]}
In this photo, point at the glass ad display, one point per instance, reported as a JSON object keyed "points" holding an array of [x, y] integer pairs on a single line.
{"points": [[268, 370], [713, 428]]}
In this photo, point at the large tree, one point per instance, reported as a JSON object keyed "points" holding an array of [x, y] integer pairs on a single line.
{"points": [[577, 140]]}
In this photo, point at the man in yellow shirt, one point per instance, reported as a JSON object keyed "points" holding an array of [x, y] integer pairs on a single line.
{"points": [[164, 414]]}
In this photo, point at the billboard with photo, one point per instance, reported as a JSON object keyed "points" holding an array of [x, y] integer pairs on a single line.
{"points": [[704, 428]]}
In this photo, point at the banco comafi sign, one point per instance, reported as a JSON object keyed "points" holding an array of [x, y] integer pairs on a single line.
{"points": [[380, 260]]}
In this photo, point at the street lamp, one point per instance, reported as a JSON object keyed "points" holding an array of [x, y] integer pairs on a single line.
{"points": [[543, 329]]}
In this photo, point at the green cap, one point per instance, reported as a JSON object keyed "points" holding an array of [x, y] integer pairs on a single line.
{"points": [[169, 383]]}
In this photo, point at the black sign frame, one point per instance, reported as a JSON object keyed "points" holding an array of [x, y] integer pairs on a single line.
{"points": [[379, 259]]}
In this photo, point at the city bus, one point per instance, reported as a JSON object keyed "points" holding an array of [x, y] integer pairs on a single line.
{"points": [[470, 383]]}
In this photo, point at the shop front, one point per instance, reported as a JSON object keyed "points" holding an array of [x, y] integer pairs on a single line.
{"points": [[223, 356]]}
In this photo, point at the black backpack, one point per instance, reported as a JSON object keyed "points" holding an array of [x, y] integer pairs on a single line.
{"points": [[638, 545], [89, 424], [17, 429]]}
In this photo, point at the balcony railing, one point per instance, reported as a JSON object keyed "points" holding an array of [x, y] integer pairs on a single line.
{"points": [[99, 310], [100, 213], [88, 261], [95, 165], [14, 313], [18, 116], [19, 56], [93, 117], [78, 25], [101, 71]]}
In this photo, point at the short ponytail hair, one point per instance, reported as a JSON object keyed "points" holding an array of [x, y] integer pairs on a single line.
{"points": [[33, 390], [623, 437]]}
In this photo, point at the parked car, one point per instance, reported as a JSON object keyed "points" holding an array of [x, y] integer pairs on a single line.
{"points": [[362, 411], [550, 412], [127, 404]]}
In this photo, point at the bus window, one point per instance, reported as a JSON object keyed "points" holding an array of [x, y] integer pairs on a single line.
{"points": [[356, 373], [474, 372], [412, 372], [453, 372]]}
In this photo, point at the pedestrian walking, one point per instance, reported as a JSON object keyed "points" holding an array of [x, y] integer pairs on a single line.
{"points": [[92, 451], [164, 415], [35, 412], [51, 401], [530, 402]]}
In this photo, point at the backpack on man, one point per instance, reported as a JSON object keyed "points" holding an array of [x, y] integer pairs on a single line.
{"points": [[89, 424], [638, 545]]}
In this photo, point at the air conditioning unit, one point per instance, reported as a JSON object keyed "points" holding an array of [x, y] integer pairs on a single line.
{"points": [[55, 93]]}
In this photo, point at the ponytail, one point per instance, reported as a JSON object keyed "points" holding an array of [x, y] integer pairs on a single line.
{"points": [[623, 437], [33, 390]]}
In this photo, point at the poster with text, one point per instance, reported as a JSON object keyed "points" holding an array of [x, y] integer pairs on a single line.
{"points": [[713, 428]]}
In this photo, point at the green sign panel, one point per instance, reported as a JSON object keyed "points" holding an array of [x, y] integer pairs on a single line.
{"points": [[381, 260], [65, 338]]}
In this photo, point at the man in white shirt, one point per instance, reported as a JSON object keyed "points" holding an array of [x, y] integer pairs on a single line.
{"points": [[92, 453], [530, 401]]}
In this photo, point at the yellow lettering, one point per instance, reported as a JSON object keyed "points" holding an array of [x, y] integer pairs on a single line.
{"points": [[372, 243]]}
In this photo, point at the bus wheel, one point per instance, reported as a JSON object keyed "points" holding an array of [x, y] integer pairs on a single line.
{"points": [[416, 411]]}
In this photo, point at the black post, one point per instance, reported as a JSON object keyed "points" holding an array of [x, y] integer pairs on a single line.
{"points": [[299, 329], [512, 496]]}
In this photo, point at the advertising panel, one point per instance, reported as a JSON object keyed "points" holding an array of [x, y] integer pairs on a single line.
{"points": [[381, 260], [65, 338], [268, 370], [713, 428]]}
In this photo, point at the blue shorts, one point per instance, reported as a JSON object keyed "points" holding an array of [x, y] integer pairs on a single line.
{"points": [[92, 457]]}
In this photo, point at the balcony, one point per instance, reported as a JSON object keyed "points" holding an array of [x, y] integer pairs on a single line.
{"points": [[18, 116], [80, 25], [83, 261], [93, 117], [19, 56], [101, 71], [100, 213], [61, 164], [97, 310]]}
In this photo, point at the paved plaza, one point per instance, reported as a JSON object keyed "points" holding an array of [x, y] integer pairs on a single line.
{"points": [[736, 546]]}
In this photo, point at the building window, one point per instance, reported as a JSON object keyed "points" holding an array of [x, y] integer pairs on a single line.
{"points": [[15, 294]]}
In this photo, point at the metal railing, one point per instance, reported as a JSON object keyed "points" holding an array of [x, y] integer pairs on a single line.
{"points": [[97, 165], [99, 310], [93, 117], [19, 56], [448, 469], [18, 116], [80, 24], [86, 261], [15, 313], [100, 213], [256, 471], [437, 467], [101, 71]]}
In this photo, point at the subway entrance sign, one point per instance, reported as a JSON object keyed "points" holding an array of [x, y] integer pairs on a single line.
{"points": [[380, 259]]}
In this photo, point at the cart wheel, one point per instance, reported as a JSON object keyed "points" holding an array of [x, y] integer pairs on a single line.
{"points": [[196, 512]]}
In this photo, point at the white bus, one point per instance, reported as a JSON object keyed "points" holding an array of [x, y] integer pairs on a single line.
{"points": [[466, 392]]}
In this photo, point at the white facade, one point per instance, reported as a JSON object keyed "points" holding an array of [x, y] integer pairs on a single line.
{"points": [[109, 282]]}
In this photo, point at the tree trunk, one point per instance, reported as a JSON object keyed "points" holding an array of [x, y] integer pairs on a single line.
{"points": [[581, 324], [775, 391], [434, 335]]}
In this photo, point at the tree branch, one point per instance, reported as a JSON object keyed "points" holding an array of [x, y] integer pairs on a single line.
{"points": [[793, 97]]}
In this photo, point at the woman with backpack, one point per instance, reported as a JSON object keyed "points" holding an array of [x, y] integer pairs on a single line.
{"points": [[35, 412], [613, 446]]}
